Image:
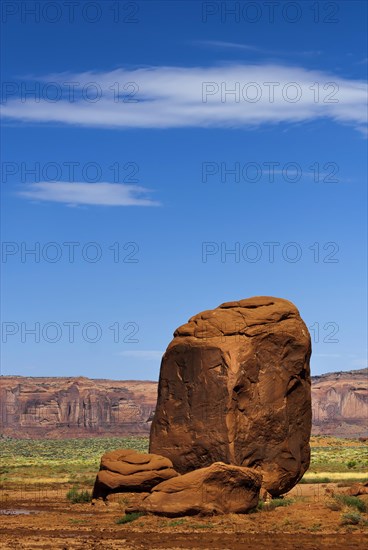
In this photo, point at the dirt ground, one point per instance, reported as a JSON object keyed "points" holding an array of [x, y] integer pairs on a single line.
{"points": [[44, 519]]}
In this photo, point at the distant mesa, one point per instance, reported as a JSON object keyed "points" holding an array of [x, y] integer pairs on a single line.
{"points": [[75, 407], [58, 408], [340, 404]]}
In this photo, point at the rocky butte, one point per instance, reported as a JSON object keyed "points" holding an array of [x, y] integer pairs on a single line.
{"points": [[235, 388], [75, 407], [340, 403]]}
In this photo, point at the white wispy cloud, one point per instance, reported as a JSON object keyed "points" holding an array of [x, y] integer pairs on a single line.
{"points": [[230, 45], [219, 44], [80, 193], [174, 97], [144, 354]]}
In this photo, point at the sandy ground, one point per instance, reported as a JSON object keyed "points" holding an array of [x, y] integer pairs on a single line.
{"points": [[51, 522]]}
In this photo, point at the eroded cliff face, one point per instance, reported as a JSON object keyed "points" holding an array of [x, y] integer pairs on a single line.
{"points": [[75, 407], [340, 403], [81, 407]]}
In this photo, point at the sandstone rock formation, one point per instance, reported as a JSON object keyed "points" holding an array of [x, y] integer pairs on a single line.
{"points": [[235, 387], [74, 407], [219, 488], [126, 470]]}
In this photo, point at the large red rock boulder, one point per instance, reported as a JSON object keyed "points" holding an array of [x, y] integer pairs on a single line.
{"points": [[217, 489], [235, 387], [125, 470]]}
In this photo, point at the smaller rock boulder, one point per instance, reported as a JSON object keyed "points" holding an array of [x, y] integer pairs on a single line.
{"points": [[217, 489], [125, 470], [358, 489]]}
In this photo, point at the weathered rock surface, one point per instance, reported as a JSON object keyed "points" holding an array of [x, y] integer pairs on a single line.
{"points": [[125, 470], [219, 488], [74, 407], [235, 387]]}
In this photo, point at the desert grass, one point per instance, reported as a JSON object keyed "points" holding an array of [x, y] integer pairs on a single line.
{"points": [[63, 461], [333, 477], [69, 462]]}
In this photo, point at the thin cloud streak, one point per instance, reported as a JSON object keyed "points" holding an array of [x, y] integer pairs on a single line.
{"points": [[80, 193], [230, 45], [177, 97], [218, 44]]}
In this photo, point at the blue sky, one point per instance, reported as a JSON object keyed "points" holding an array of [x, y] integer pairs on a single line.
{"points": [[157, 140]]}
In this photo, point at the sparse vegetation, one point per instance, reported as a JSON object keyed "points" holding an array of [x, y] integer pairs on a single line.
{"points": [[333, 505], [61, 461], [351, 502], [76, 496], [274, 503], [176, 522], [351, 518], [315, 479], [76, 461], [334, 458], [46, 470], [129, 518]]}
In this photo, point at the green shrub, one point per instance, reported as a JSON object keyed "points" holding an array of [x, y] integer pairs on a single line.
{"points": [[351, 464], [129, 517], [75, 496], [352, 502], [276, 502], [176, 522], [352, 518]]}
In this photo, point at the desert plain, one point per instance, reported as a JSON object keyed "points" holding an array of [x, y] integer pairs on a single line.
{"points": [[38, 475]]}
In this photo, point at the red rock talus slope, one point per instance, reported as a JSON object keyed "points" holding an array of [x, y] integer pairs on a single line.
{"points": [[74, 407], [340, 403], [235, 387]]}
